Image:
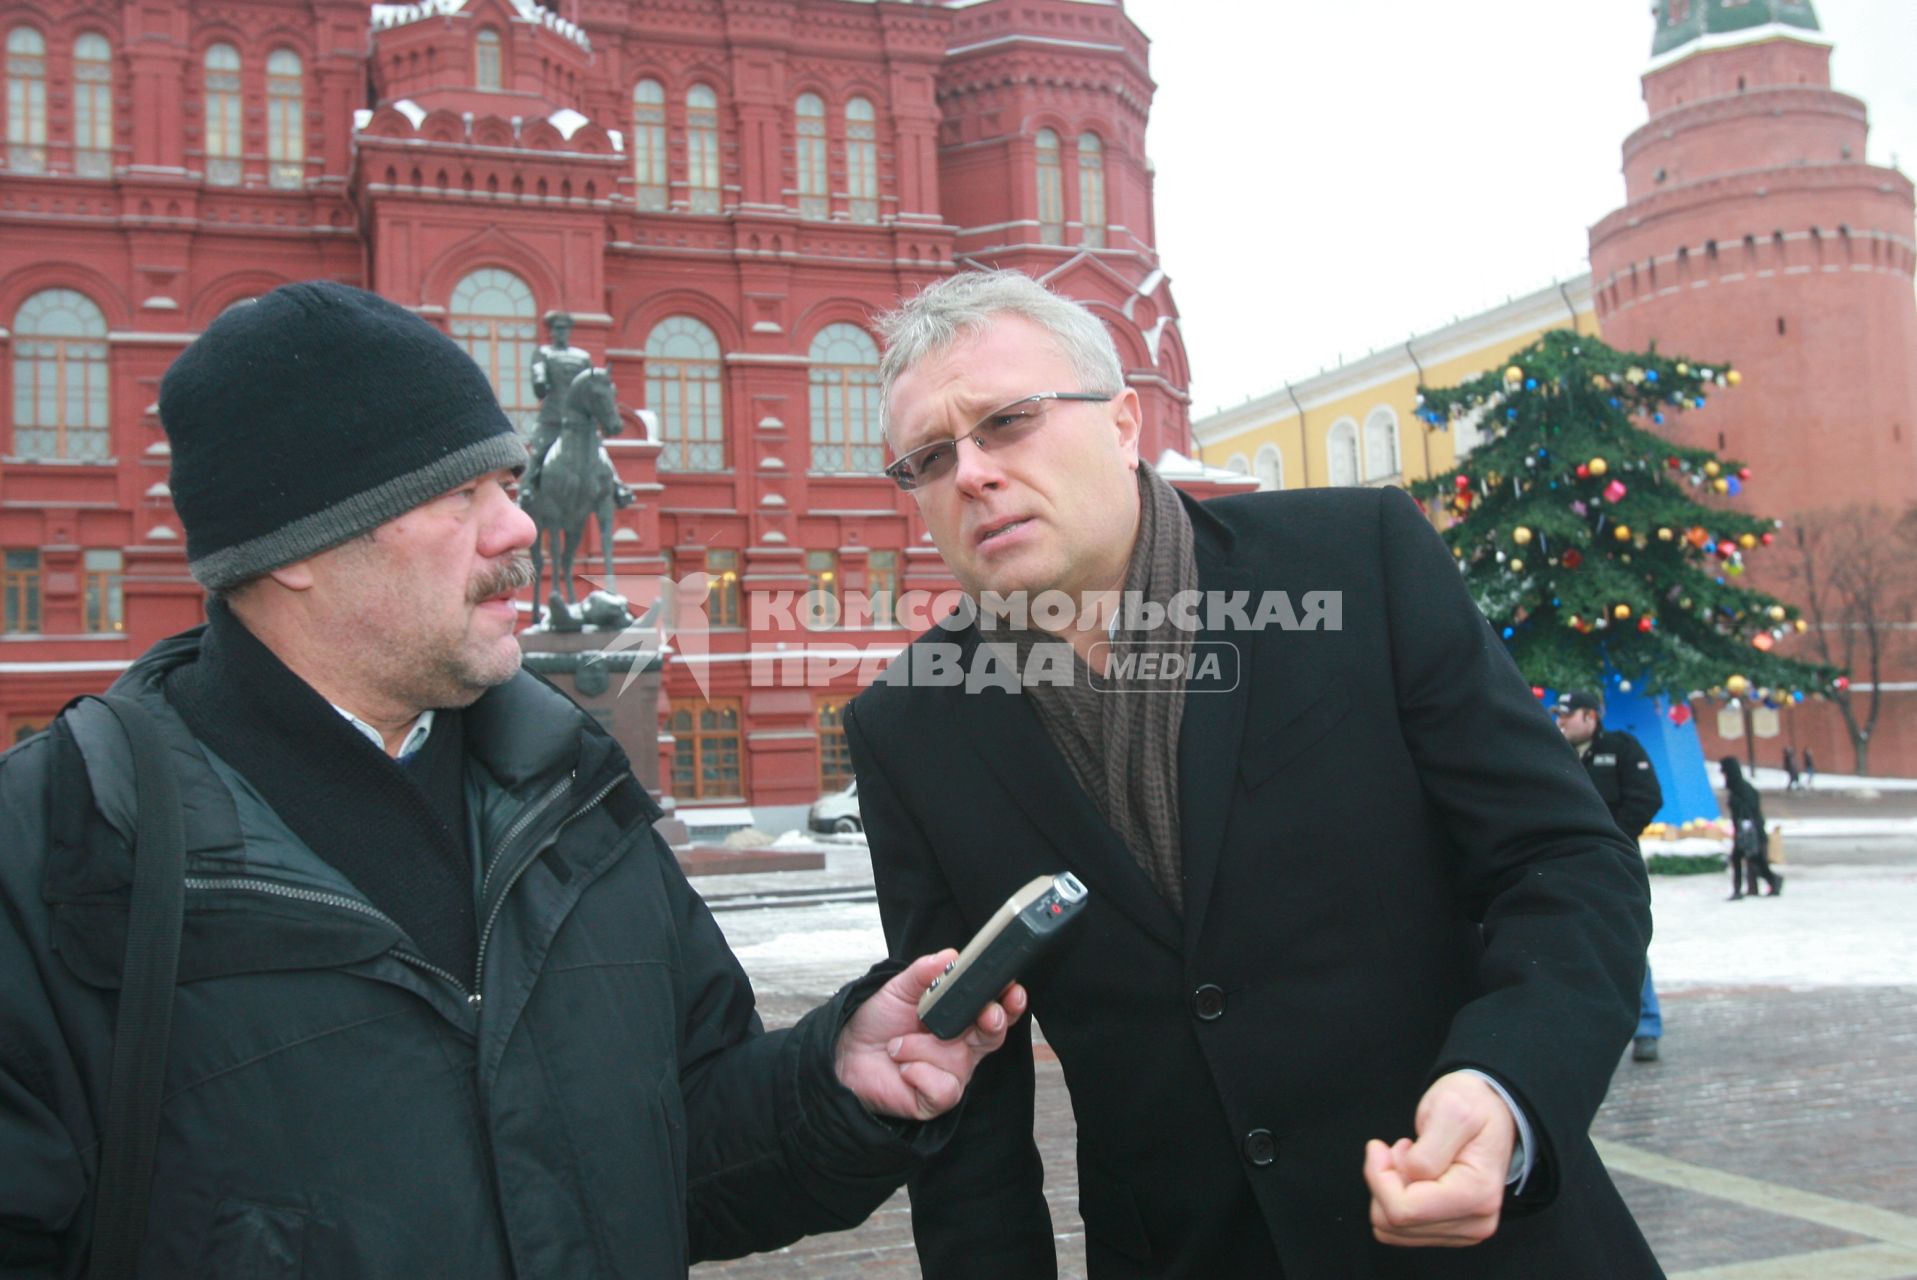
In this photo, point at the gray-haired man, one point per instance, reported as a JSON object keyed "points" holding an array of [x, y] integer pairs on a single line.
{"points": [[1349, 889]]}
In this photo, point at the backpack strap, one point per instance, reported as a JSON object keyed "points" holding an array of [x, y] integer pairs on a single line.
{"points": [[144, 1021]]}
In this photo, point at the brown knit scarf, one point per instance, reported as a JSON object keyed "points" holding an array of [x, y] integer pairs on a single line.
{"points": [[1120, 736]]}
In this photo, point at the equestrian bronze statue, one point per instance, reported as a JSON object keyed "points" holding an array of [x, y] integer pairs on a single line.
{"points": [[569, 476]]}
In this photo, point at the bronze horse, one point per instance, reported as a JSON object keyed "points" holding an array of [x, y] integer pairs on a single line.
{"points": [[576, 480]]}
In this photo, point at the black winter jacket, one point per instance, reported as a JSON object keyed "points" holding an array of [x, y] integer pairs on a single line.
{"points": [[1621, 771], [598, 1100]]}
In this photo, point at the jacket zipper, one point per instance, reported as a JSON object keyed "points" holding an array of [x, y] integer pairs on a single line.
{"points": [[471, 995], [476, 999], [248, 885]]}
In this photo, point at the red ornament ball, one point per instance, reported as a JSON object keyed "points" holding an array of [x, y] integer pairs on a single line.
{"points": [[1743, 473], [1584, 471], [1644, 624], [1462, 480], [1680, 715], [1841, 683], [1573, 558], [1672, 463], [1537, 691]]}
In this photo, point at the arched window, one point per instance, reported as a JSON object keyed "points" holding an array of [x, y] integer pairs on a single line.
{"points": [[492, 315], [93, 106], [26, 100], [845, 402], [60, 378], [862, 160], [1237, 465], [683, 388], [1341, 450], [223, 115], [702, 149], [1381, 444], [1091, 189], [1269, 467], [1051, 190], [285, 119], [814, 194], [649, 143], [487, 67]]}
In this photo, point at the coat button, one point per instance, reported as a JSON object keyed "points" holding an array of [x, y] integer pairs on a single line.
{"points": [[1208, 1002], [1260, 1147]]}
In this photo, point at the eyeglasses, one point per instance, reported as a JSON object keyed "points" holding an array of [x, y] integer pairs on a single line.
{"points": [[1001, 427]]}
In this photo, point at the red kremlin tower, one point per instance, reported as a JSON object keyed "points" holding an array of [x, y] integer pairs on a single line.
{"points": [[1754, 232]]}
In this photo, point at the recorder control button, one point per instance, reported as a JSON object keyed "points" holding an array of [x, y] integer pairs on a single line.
{"points": [[1208, 1002]]}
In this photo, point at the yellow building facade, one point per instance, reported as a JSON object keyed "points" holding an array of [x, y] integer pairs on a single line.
{"points": [[1357, 424]]}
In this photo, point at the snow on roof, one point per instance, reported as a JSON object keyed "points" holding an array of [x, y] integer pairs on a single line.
{"points": [[399, 15], [1174, 465]]}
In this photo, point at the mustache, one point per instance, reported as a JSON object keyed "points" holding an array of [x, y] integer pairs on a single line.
{"points": [[514, 575]]}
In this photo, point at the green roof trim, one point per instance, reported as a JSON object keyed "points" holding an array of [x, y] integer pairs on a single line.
{"points": [[1681, 21]]}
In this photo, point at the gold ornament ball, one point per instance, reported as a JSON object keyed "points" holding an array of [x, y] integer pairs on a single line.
{"points": [[1664, 535], [1514, 374], [1521, 535], [1598, 466], [1733, 377], [1737, 686], [1711, 468], [1599, 381], [1720, 485], [1517, 566], [1622, 533], [1682, 369], [1777, 612], [1621, 612], [1800, 624], [1748, 541]]}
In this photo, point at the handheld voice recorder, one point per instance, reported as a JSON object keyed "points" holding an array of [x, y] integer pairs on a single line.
{"points": [[1017, 932]]}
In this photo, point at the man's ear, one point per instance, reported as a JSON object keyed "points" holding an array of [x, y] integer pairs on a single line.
{"points": [[1129, 419], [297, 576]]}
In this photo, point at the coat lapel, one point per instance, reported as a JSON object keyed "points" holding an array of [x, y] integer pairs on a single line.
{"points": [[1213, 728], [1006, 733]]}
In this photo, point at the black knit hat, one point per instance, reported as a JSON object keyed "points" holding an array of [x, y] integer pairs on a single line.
{"points": [[312, 415]]}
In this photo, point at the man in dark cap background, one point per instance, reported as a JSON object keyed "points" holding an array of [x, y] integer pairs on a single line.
{"points": [[445, 1003], [1621, 771]]}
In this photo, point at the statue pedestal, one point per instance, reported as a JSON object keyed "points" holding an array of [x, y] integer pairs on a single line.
{"points": [[577, 664]]}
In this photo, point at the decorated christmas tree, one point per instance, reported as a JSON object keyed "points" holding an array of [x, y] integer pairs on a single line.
{"points": [[1582, 537]]}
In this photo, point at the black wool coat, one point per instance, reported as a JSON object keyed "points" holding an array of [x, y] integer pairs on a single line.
{"points": [[1393, 869]]}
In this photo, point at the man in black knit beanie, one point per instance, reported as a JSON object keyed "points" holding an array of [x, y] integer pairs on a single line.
{"points": [[446, 1004]]}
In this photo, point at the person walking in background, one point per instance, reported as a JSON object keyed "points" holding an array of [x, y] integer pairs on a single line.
{"points": [[1620, 769], [1790, 770], [1810, 769], [1750, 843]]}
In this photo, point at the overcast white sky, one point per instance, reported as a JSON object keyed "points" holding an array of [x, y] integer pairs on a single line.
{"points": [[1335, 176]]}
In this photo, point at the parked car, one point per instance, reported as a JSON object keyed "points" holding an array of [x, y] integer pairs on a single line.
{"points": [[837, 811]]}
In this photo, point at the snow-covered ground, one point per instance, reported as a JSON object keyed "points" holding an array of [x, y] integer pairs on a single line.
{"points": [[1836, 924], [1768, 779]]}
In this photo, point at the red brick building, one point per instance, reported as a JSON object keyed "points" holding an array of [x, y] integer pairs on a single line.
{"points": [[720, 192], [1754, 232]]}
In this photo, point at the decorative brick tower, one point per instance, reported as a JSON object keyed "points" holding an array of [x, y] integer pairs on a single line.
{"points": [[1754, 232]]}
